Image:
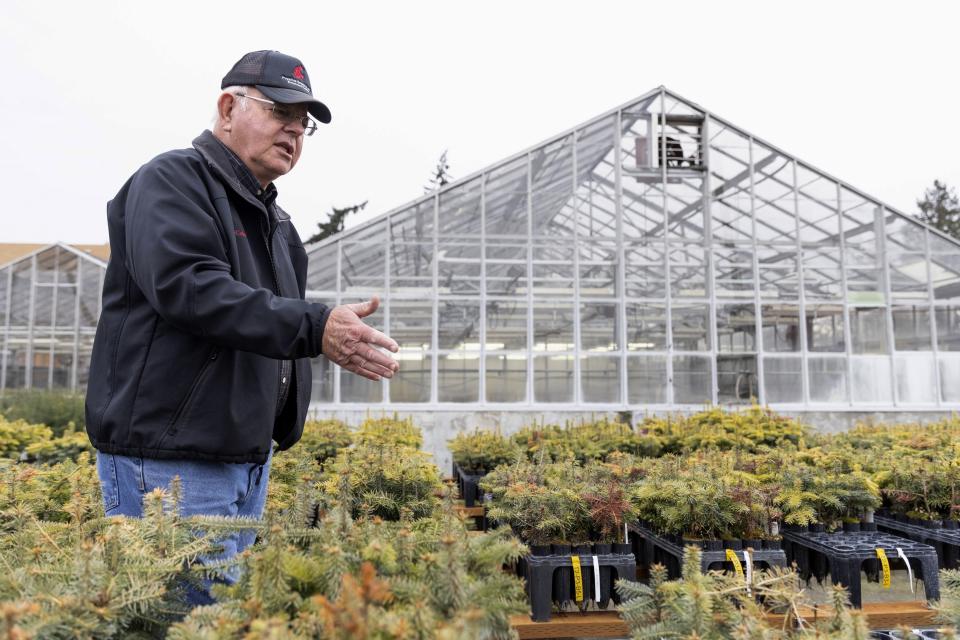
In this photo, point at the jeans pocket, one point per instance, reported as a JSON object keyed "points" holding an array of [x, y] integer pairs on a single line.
{"points": [[107, 473]]}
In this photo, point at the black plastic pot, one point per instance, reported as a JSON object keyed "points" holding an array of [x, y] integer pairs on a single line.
{"points": [[540, 549], [714, 545], [586, 574], [851, 527], [606, 575], [952, 525], [734, 543], [562, 578], [772, 543], [753, 543]]}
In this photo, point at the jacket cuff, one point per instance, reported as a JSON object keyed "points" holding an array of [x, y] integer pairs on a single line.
{"points": [[321, 325]]}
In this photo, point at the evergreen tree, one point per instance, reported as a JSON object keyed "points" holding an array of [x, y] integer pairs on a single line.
{"points": [[441, 175], [940, 208], [334, 223]]}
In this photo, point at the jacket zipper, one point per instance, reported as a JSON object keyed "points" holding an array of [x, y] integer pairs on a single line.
{"points": [[276, 284]]}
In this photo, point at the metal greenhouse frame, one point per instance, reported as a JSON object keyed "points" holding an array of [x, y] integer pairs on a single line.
{"points": [[655, 257]]}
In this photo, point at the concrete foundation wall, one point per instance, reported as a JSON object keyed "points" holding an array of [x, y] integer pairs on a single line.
{"points": [[440, 426]]}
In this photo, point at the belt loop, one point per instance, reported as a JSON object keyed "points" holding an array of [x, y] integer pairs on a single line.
{"points": [[259, 475], [141, 480]]}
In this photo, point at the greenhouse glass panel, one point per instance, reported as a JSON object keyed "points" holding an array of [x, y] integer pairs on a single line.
{"points": [[506, 194], [643, 213], [825, 327], [871, 379], [458, 214], [908, 276], [868, 330], [915, 378], [553, 326], [950, 377], [600, 327], [690, 324], [62, 368], [781, 327], [411, 324], [551, 195], [692, 379], [43, 305], [685, 209], [688, 271], [20, 296], [783, 379], [322, 269], [47, 266], [736, 328], [66, 315], [506, 377], [822, 277], [411, 268], [459, 269], [354, 388], [459, 325], [944, 268], [413, 224], [645, 268], [773, 196], [827, 379], [362, 267], [506, 324], [817, 214], [734, 271], [67, 267], [16, 350], [458, 377], [731, 207], [600, 379], [83, 365], [506, 267], [779, 273], [411, 383], [948, 328], [904, 235], [323, 374], [596, 180], [646, 327], [911, 328], [647, 379], [737, 379], [636, 144], [553, 378], [598, 269], [373, 232], [553, 269], [4, 297]]}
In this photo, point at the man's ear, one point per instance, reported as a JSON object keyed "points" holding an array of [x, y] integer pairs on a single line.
{"points": [[225, 110]]}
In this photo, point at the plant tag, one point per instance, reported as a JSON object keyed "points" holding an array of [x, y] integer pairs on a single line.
{"points": [[626, 533], [577, 578], [732, 557], [885, 564], [747, 560], [903, 556], [596, 579]]}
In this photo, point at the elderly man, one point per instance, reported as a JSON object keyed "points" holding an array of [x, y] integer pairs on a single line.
{"points": [[201, 357]]}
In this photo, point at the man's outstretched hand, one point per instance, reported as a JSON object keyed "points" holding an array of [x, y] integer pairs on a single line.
{"points": [[350, 343]]}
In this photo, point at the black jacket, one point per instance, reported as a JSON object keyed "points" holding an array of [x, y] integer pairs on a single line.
{"points": [[202, 299]]}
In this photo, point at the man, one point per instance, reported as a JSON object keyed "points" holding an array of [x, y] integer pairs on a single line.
{"points": [[201, 357]]}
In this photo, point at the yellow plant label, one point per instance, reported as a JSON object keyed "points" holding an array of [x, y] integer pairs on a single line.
{"points": [[577, 579], [732, 557], [885, 564]]}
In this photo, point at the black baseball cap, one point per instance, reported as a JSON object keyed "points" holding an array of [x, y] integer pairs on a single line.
{"points": [[280, 77]]}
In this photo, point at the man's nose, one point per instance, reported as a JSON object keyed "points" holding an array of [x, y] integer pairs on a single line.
{"points": [[295, 127]]}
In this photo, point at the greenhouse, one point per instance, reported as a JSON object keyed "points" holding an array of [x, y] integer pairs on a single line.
{"points": [[655, 257], [49, 307]]}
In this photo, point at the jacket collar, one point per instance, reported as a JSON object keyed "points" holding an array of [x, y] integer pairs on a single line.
{"points": [[215, 155]]}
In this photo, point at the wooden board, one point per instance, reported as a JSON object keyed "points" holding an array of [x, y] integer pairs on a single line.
{"points": [[607, 624]]}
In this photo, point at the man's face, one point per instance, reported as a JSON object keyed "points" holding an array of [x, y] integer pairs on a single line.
{"points": [[268, 146]]}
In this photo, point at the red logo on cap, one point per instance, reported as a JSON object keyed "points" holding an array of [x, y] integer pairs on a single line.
{"points": [[298, 72]]}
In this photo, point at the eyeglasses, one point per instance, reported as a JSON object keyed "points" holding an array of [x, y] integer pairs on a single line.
{"points": [[285, 113]]}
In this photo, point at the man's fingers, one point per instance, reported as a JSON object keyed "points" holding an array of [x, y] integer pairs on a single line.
{"points": [[364, 309], [375, 357], [362, 372], [374, 337], [372, 366]]}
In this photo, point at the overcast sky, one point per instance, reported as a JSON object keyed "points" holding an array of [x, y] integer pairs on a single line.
{"points": [[867, 91]]}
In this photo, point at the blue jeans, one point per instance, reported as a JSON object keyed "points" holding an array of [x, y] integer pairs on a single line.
{"points": [[207, 488]]}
